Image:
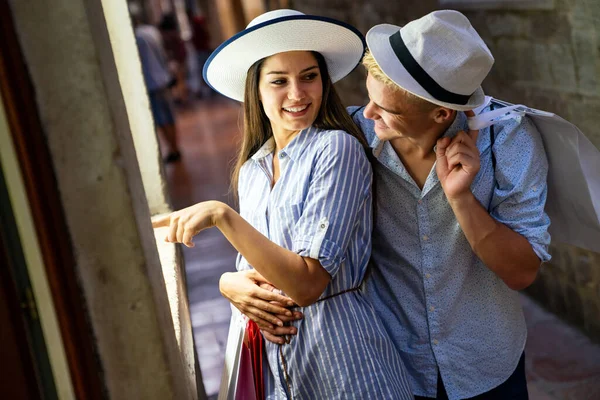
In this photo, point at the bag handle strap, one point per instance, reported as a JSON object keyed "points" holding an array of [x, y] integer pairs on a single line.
{"points": [[510, 111]]}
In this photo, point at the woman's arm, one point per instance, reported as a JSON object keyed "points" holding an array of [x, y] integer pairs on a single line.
{"points": [[335, 203], [303, 279]]}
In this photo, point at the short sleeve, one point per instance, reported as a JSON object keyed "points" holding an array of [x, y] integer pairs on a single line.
{"points": [[521, 174], [338, 199]]}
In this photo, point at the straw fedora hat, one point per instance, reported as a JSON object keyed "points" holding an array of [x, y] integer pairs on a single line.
{"points": [[439, 57], [279, 31]]}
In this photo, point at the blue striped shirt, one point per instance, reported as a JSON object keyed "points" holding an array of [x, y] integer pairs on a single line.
{"points": [[442, 306], [321, 208]]}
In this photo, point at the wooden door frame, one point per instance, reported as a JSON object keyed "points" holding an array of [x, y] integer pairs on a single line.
{"points": [[19, 377], [18, 96]]}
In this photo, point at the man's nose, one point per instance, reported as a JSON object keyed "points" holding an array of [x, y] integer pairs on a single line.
{"points": [[369, 111]]}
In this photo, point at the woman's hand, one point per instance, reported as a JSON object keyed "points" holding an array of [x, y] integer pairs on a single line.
{"points": [[261, 304], [188, 222], [280, 334]]}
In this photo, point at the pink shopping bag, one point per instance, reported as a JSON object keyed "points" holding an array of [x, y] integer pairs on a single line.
{"points": [[245, 389]]}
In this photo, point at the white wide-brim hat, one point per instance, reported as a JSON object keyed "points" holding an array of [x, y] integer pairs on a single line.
{"points": [[279, 31], [439, 57]]}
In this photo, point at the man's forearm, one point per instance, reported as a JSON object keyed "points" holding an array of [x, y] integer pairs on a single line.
{"points": [[502, 250]]}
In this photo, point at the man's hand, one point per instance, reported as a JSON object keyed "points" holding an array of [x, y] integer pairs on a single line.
{"points": [[457, 162], [261, 304]]}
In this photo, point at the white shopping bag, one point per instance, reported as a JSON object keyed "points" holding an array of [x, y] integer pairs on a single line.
{"points": [[573, 203], [235, 340]]}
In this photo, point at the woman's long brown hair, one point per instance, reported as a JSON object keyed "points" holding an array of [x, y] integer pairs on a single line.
{"points": [[257, 127]]}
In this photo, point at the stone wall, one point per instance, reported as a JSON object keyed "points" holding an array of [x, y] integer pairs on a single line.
{"points": [[547, 56], [88, 116]]}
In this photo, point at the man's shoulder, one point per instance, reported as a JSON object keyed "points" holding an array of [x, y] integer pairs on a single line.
{"points": [[366, 125], [519, 130], [353, 110]]}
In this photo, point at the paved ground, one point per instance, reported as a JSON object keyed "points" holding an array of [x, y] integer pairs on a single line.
{"points": [[561, 362]]}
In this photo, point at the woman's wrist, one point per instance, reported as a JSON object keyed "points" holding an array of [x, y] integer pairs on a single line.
{"points": [[223, 282], [219, 213]]}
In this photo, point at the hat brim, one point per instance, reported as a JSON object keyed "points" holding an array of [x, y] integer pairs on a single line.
{"points": [[341, 45], [378, 42]]}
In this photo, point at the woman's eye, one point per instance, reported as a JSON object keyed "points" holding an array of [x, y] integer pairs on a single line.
{"points": [[311, 76], [278, 82]]}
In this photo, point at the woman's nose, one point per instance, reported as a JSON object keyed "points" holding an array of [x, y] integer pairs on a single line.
{"points": [[295, 92]]}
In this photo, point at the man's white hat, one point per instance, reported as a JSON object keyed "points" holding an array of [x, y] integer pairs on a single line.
{"points": [[439, 57], [279, 31]]}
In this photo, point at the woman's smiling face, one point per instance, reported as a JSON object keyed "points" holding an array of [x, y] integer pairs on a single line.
{"points": [[291, 91]]}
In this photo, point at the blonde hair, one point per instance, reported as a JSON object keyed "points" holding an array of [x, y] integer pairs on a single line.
{"points": [[375, 71]]}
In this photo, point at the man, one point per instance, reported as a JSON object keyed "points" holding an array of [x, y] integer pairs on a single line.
{"points": [[459, 217], [157, 78], [460, 226]]}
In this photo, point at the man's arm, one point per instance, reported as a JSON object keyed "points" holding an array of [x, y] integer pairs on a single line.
{"points": [[508, 254], [502, 249]]}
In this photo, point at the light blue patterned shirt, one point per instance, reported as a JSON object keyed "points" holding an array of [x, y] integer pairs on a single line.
{"points": [[442, 306], [321, 208]]}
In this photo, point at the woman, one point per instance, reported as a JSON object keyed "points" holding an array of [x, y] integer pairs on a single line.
{"points": [[304, 187]]}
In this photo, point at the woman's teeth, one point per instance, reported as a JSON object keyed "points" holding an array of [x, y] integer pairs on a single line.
{"points": [[295, 109]]}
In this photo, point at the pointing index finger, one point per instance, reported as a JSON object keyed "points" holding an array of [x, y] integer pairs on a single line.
{"points": [[161, 221]]}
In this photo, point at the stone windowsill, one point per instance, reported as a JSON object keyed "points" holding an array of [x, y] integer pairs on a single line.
{"points": [[173, 270], [170, 263]]}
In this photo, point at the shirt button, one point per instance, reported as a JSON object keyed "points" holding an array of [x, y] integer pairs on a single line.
{"points": [[427, 276], [432, 308], [282, 155], [420, 201], [435, 341], [425, 237], [322, 226]]}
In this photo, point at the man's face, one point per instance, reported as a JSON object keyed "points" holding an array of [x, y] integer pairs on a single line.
{"points": [[394, 117]]}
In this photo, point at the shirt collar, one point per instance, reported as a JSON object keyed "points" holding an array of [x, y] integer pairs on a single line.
{"points": [[296, 147], [459, 123], [293, 149], [384, 152], [265, 149]]}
